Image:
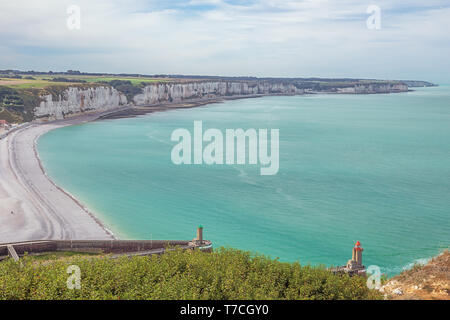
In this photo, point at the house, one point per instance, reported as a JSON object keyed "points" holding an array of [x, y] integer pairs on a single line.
{"points": [[3, 124]]}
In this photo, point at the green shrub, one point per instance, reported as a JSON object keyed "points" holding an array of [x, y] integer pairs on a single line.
{"points": [[126, 87], [223, 274]]}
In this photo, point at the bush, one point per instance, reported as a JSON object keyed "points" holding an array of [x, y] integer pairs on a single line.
{"points": [[61, 79], [222, 275], [126, 87]]}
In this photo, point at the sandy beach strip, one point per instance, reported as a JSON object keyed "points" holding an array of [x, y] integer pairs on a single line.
{"points": [[32, 206]]}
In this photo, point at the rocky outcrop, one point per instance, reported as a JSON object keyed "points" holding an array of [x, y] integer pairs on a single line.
{"points": [[76, 100], [422, 282]]}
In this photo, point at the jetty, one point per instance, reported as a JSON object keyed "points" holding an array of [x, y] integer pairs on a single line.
{"points": [[115, 248]]}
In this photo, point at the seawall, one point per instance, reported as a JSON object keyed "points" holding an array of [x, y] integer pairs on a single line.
{"points": [[118, 247]]}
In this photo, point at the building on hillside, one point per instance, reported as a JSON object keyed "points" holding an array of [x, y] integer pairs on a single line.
{"points": [[355, 265], [4, 124]]}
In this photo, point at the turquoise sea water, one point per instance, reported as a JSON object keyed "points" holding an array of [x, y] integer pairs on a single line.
{"points": [[374, 168]]}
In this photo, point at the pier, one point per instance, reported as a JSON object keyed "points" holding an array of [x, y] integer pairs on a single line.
{"points": [[114, 247]]}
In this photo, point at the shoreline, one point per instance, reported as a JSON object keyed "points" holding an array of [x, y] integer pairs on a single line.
{"points": [[74, 199], [32, 205], [34, 210], [135, 111]]}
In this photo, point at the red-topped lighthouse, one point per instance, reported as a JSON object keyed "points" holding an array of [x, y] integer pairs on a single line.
{"points": [[357, 253], [354, 265], [356, 262]]}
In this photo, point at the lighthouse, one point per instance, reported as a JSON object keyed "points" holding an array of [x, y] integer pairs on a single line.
{"points": [[200, 235], [357, 253], [355, 264]]}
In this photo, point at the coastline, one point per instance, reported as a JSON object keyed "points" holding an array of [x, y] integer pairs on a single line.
{"points": [[136, 111], [39, 216], [74, 199], [32, 205]]}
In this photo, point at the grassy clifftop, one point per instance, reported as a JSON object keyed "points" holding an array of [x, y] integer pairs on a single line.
{"points": [[224, 274]]}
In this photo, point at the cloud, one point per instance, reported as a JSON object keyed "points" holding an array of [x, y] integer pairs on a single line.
{"points": [[262, 38]]}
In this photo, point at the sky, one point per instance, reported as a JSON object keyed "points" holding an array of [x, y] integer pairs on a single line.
{"points": [[264, 38]]}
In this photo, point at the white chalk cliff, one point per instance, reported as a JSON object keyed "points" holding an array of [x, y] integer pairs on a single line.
{"points": [[76, 100], [375, 88], [176, 92]]}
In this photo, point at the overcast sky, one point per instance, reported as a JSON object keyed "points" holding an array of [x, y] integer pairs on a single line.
{"points": [[218, 37]]}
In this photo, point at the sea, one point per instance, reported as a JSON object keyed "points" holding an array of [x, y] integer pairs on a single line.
{"points": [[373, 168]]}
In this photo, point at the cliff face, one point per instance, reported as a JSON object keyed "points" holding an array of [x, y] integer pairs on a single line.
{"points": [[381, 88], [176, 92], [76, 100], [374, 88], [418, 83]]}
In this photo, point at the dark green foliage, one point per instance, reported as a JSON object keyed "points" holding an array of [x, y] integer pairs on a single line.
{"points": [[61, 79], [5, 91], [126, 87], [223, 274], [9, 117], [17, 105], [10, 76]]}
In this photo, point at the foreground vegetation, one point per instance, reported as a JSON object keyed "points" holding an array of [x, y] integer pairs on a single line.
{"points": [[223, 274]]}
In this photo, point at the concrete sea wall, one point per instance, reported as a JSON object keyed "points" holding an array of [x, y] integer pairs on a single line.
{"points": [[132, 247]]}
